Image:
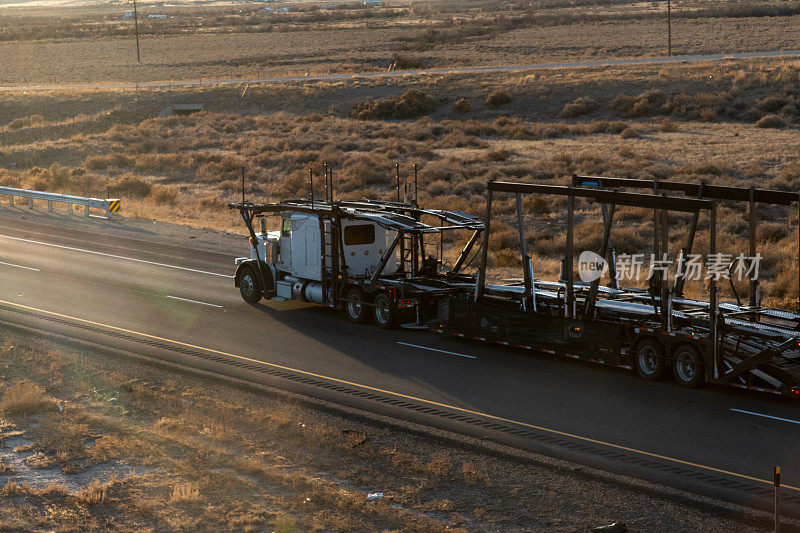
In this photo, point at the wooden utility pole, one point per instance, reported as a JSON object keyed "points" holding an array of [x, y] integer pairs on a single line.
{"points": [[669, 28], [136, 29]]}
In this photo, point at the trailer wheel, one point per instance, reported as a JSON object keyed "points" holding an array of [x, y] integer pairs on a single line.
{"points": [[354, 308], [650, 359], [249, 286], [688, 366], [384, 311]]}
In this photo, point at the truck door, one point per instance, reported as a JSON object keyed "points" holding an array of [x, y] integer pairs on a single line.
{"points": [[306, 247], [286, 245]]}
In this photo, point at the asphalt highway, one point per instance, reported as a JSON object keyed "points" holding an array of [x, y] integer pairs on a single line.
{"points": [[179, 304]]}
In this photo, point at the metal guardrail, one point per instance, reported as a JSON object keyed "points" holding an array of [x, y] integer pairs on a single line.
{"points": [[109, 205]]}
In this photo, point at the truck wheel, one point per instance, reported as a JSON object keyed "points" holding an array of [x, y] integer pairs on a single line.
{"points": [[650, 360], [384, 311], [249, 286], [688, 366], [354, 308]]}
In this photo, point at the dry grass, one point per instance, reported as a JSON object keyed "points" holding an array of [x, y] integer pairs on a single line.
{"points": [[26, 398], [185, 493], [96, 492]]}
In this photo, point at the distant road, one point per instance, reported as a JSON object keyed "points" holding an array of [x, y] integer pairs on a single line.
{"points": [[408, 73]]}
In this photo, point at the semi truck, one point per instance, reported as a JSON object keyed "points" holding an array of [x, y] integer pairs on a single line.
{"points": [[376, 260], [371, 259]]}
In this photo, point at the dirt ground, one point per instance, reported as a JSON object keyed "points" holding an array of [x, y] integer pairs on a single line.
{"points": [[237, 41], [91, 441]]}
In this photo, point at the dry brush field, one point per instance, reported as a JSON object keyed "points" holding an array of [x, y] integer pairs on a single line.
{"points": [[724, 123]]}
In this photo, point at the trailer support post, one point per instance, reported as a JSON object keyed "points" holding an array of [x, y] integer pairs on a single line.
{"points": [[608, 221], [465, 252], [753, 233], [480, 280], [568, 267], [712, 297], [397, 174], [526, 264], [680, 275], [385, 258], [326, 181], [609, 256]]}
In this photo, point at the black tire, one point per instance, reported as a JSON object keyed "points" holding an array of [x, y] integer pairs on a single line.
{"points": [[688, 366], [354, 308], [250, 286], [384, 311], [649, 359]]}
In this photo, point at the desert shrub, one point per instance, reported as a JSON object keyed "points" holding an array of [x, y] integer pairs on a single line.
{"points": [[405, 62], [25, 398], [8, 179], [212, 202], [668, 126], [629, 133], [771, 104], [498, 98], [462, 105], [772, 231], [165, 195], [498, 155], [285, 523], [102, 162], [771, 121], [708, 114], [646, 103], [788, 179], [24, 122], [707, 168], [185, 493], [132, 185], [412, 103], [580, 106]]}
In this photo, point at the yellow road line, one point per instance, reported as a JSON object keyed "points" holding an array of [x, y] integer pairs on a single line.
{"points": [[414, 398]]}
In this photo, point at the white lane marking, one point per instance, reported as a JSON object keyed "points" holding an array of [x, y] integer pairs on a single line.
{"points": [[193, 301], [767, 416], [19, 266], [115, 256], [436, 350]]}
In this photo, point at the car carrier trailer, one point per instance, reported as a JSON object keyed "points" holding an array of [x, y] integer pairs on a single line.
{"points": [[371, 258], [654, 330]]}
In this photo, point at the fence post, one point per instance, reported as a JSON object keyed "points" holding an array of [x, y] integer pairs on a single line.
{"points": [[777, 481]]}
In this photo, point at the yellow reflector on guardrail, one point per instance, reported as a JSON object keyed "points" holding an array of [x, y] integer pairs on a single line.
{"points": [[113, 206]]}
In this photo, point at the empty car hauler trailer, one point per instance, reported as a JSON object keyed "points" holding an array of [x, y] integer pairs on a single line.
{"points": [[655, 331], [371, 258]]}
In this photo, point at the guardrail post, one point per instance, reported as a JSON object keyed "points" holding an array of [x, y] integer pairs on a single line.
{"points": [[86, 211], [10, 200], [69, 208], [50, 206], [777, 481], [30, 203]]}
